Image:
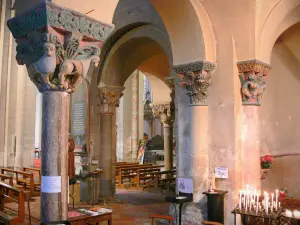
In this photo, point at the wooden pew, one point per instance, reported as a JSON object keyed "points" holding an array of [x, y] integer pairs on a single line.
{"points": [[37, 179], [24, 179], [130, 173], [8, 178], [144, 176], [162, 183], [18, 197]]}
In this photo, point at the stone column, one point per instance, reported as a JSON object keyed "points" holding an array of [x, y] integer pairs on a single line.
{"points": [[252, 75], [163, 111], [109, 97], [134, 116], [58, 53], [196, 77]]}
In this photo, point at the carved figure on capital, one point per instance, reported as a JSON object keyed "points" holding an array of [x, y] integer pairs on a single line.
{"points": [[252, 76], [58, 67], [58, 45], [252, 88]]}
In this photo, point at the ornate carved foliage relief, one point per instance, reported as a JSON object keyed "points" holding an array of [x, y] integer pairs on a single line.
{"points": [[57, 45], [252, 74], [110, 96], [196, 78]]}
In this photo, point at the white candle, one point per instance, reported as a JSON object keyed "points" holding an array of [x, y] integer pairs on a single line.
{"points": [[276, 199], [272, 205], [240, 202], [279, 205]]}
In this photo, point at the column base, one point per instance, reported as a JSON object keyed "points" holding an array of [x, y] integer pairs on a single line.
{"points": [[192, 213], [106, 189]]}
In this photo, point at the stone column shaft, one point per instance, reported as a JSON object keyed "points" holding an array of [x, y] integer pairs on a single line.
{"points": [[196, 78], [55, 127], [199, 147], [134, 116], [106, 189], [109, 97], [163, 111], [168, 151]]}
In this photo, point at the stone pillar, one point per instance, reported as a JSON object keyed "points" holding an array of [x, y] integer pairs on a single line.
{"points": [[52, 50], [163, 111], [252, 75], [134, 116], [196, 77], [109, 98]]}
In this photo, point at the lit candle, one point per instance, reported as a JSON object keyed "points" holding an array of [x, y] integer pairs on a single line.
{"points": [[272, 205], [240, 202], [288, 213], [276, 199]]}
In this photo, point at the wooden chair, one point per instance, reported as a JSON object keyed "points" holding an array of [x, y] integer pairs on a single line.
{"points": [[204, 222], [155, 217]]}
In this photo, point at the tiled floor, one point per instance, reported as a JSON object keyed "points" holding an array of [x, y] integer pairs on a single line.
{"points": [[134, 208]]}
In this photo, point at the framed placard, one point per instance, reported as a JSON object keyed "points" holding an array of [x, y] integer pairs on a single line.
{"points": [[185, 185], [79, 123], [221, 172]]}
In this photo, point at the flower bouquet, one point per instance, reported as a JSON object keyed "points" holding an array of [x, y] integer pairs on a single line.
{"points": [[266, 161]]}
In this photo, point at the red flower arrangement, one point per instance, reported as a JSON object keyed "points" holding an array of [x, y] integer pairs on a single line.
{"points": [[266, 161]]}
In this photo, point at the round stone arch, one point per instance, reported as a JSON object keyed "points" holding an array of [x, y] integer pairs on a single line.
{"points": [[284, 14], [132, 50], [189, 28]]}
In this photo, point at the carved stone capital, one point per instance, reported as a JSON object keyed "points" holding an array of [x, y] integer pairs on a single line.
{"points": [[57, 45], [252, 74], [196, 78], [110, 97], [164, 113]]}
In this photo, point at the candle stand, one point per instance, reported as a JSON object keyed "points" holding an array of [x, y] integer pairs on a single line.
{"points": [[263, 218]]}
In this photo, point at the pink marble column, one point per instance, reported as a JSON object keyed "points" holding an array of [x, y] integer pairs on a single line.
{"points": [[52, 50], [55, 127], [252, 75]]}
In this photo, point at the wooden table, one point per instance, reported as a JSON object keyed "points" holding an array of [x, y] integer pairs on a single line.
{"points": [[86, 219]]}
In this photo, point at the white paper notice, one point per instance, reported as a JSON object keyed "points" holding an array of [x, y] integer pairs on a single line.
{"points": [[221, 172], [185, 185], [51, 184]]}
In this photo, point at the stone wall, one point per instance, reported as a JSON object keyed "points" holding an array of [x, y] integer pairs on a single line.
{"points": [[280, 122], [17, 101]]}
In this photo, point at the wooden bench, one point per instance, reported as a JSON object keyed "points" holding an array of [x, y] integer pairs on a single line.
{"points": [[162, 183], [118, 171], [36, 174], [8, 217], [128, 176], [24, 179]]}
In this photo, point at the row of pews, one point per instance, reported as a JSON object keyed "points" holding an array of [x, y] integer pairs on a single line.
{"points": [[28, 179], [146, 177], [16, 186]]}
